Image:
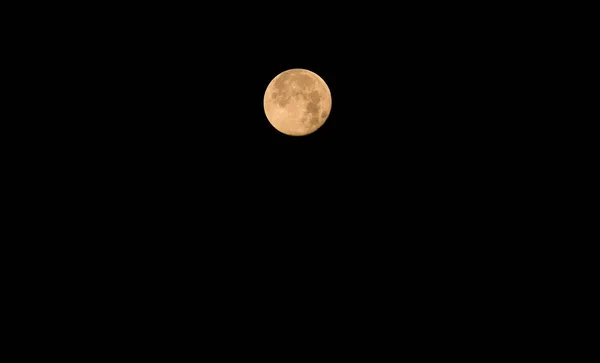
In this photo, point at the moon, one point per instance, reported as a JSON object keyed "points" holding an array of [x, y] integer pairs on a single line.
{"points": [[297, 102]]}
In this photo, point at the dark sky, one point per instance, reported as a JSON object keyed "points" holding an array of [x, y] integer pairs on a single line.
{"points": [[156, 146], [156, 180], [168, 111]]}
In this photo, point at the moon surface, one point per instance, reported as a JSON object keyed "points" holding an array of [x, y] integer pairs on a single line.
{"points": [[297, 102]]}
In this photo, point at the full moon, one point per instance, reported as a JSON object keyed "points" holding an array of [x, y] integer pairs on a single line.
{"points": [[297, 102]]}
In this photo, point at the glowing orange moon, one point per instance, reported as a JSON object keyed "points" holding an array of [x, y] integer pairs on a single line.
{"points": [[297, 102]]}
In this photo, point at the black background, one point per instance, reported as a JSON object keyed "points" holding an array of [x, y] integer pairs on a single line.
{"points": [[158, 179], [155, 194], [162, 133]]}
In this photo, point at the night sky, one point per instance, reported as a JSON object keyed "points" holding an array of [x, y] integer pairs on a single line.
{"points": [[161, 171], [168, 119]]}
